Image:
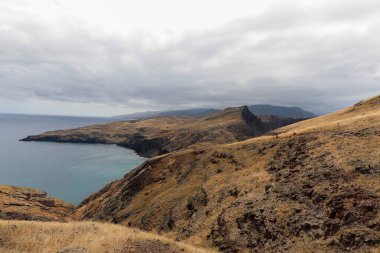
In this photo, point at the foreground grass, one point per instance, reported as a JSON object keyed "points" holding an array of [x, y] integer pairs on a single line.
{"points": [[78, 237]]}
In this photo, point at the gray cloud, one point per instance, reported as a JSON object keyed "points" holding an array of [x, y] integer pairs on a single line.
{"points": [[321, 58]]}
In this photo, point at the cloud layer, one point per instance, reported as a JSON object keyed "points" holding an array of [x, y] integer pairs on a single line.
{"points": [[320, 56]]}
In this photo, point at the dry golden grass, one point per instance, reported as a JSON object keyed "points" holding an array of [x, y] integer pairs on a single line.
{"points": [[78, 237]]}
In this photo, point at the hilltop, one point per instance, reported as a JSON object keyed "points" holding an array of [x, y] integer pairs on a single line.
{"points": [[313, 187], [161, 135]]}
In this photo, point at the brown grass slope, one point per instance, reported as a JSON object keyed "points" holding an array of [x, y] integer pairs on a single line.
{"points": [[315, 188], [20, 203], [83, 237], [160, 135]]}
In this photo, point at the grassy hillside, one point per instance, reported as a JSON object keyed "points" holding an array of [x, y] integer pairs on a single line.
{"points": [[311, 186], [80, 237]]}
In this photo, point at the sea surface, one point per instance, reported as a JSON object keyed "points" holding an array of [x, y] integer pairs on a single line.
{"points": [[67, 171]]}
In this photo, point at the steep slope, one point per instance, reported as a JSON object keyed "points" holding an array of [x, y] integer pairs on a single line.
{"points": [[81, 237], [161, 135], [20, 203], [314, 187]]}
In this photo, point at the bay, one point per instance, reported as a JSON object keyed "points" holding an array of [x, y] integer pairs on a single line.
{"points": [[67, 171]]}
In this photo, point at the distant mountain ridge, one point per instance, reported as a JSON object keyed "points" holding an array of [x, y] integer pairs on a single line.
{"points": [[294, 112], [260, 109], [197, 112]]}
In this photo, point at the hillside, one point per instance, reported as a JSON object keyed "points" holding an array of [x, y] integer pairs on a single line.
{"points": [[313, 188], [160, 135], [82, 237], [20, 203]]}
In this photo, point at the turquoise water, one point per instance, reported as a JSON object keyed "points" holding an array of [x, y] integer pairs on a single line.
{"points": [[67, 171]]}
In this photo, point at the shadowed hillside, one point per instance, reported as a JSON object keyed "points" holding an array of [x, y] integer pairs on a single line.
{"points": [[314, 187]]}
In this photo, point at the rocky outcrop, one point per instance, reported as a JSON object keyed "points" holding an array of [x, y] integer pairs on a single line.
{"points": [[20, 203], [161, 135], [312, 186]]}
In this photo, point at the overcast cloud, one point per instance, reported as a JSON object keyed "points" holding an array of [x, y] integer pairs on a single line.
{"points": [[56, 59]]}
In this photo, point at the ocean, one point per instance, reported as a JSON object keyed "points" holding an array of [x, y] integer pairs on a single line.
{"points": [[67, 171]]}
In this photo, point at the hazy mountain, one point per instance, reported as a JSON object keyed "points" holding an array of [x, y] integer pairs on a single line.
{"points": [[197, 112], [280, 111]]}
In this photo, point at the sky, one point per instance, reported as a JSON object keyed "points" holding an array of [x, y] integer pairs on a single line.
{"points": [[112, 57]]}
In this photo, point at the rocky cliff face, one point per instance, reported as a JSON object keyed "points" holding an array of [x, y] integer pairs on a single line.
{"points": [[314, 187], [20, 203], [157, 136]]}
